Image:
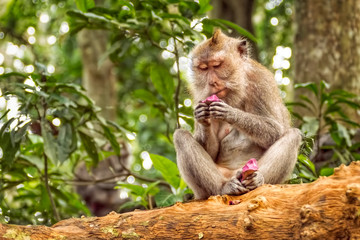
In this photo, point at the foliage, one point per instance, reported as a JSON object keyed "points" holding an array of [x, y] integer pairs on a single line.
{"points": [[167, 30], [57, 125], [326, 117]]}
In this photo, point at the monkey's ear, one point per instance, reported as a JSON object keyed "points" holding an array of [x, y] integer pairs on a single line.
{"points": [[215, 37], [243, 48]]}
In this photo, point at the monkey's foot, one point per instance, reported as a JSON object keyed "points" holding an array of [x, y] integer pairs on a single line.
{"points": [[254, 180], [233, 187]]}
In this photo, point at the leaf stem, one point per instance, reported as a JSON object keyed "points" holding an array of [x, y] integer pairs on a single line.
{"points": [[177, 93], [46, 176]]}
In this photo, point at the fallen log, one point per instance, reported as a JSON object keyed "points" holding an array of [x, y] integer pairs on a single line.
{"points": [[328, 208]]}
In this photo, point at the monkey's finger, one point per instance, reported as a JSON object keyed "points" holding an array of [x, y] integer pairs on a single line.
{"points": [[251, 176], [218, 108], [201, 105], [201, 110], [201, 114], [251, 187], [238, 174], [218, 104]]}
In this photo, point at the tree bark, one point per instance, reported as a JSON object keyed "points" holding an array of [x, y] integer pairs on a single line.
{"points": [[236, 11], [328, 208], [327, 45], [99, 79]]}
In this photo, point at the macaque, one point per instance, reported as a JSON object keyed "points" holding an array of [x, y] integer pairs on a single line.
{"points": [[249, 121]]}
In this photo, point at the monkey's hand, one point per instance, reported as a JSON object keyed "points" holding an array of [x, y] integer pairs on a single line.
{"points": [[254, 180], [233, 187], [202, 114], [222, 111]]}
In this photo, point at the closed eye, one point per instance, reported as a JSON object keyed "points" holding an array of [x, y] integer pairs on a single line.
{"points": [[216, 64], [203, 67]]}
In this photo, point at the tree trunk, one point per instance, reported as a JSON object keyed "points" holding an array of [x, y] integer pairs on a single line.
{"points": [[98, 78], [327, 44], [236, 11], [328, 208]]}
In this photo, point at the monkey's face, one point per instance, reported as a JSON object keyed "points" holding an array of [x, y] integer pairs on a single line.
{"points": [[216, 64], [211, 74]]}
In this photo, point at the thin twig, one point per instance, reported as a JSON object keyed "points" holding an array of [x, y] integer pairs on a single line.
{"points": [[141, 177], [56, 214], [177, 93]]}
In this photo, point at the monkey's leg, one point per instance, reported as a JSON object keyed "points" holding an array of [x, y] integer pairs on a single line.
{"points": [[279, 160], [199, 170]]}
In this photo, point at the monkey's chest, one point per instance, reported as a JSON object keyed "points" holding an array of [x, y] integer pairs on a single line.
{"points": [[224, 129], [236, 149]]}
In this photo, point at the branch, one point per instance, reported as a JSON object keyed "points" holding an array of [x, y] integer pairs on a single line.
{"points": [[177, 93], [328, 208], [48, 190]]}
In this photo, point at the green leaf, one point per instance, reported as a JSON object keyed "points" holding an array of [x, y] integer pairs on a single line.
{"points": [[152, 189], [310, 126], [310, 104], [13, 74], [90, 147], [326, 171], [175, 16], [343, 133], [307, 163], [58, 149], [8, 150], [146, 96], [205, 7], [130, 205], [167, 168], [163, 82], [33, 159], [44, 203], [112, 139], [237, 28], [66, 141], [84, 5], [31, 171], [164, 199], [135, 189], [5, 113], [9, 144], [310, 85]]}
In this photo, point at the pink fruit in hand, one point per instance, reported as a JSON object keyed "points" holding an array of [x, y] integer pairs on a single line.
{"points": [[212, 98], [250, 167]]}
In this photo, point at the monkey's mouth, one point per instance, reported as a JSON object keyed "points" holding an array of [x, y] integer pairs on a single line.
{"points": [[216, 93]]}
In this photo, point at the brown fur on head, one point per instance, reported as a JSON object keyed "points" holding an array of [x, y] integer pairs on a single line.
{"points": [[231, 53]]}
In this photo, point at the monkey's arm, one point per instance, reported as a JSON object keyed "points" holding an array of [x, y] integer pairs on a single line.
{"points": [[204, 131], [207, 138], [263, 130]]}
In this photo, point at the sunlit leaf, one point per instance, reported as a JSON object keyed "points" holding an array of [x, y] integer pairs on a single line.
{"points": [[135, 189], [84, 5], [343, 133], [326, 171], [307, 163], [167, 168], [310, 85], [204, 6]]}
